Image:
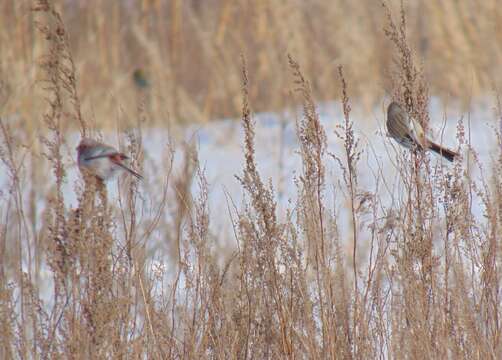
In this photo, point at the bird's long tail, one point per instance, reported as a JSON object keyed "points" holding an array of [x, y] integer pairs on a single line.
{"points": [[444, 152], [132, 172]]}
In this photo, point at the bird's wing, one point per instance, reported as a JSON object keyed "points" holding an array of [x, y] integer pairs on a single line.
{"points": [[100, 156], [398, 126]]}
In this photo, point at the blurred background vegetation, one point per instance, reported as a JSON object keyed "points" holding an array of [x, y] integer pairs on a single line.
{"points": [[182, 56]]}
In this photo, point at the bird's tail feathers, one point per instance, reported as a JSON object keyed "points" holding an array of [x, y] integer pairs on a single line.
{"points": [[444, 152], [132, 172]]}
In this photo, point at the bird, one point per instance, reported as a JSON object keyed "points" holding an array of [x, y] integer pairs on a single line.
{"points": [[101, 160], [409, 133], [140, 79]]}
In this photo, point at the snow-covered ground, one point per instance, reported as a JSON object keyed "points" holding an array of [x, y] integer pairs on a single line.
{"points": [[220, 151]]}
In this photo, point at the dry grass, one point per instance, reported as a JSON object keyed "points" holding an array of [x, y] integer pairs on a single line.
{"points": [[421, 280], [188, 53]]}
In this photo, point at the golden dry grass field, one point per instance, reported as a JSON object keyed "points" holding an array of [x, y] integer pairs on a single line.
{"points": [[335, 262], [190, 49]]}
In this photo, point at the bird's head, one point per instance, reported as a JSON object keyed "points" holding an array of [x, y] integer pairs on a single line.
{"points": [[86, 143]]}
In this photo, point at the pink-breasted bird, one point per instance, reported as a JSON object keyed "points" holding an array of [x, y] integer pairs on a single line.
{"points": [[409, 133], [101, 160]]}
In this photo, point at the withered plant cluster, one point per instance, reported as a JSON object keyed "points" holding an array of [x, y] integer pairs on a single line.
{"points": [[419, 279]]}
